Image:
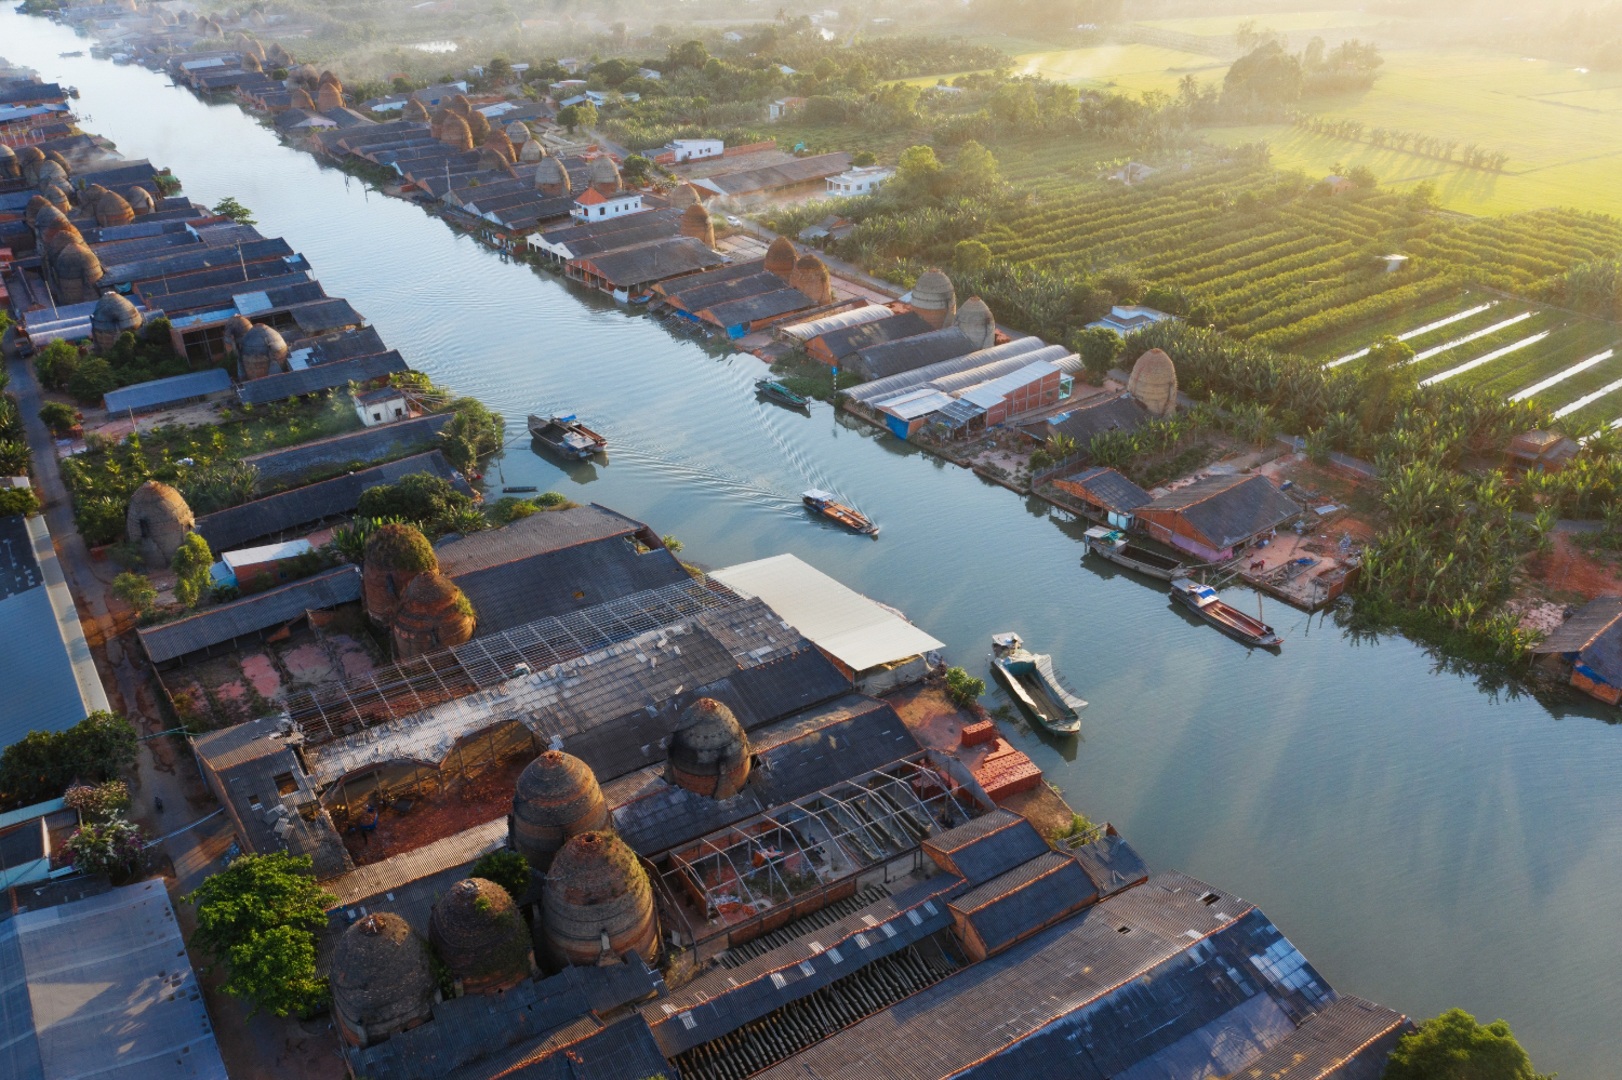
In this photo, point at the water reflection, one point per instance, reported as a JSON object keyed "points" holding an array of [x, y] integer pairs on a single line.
{"points": [[1428, 837]]}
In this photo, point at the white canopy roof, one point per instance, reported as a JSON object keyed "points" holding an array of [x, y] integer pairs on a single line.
{"points": [[856, 631]]}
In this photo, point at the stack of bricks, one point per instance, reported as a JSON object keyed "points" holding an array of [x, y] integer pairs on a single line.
{"points": [[1005, 771], [983, 732]]}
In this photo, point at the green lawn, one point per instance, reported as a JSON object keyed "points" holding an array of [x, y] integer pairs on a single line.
{"points": [[1560, 126]]}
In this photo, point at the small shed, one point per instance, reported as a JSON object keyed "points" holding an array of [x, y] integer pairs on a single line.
{"points": [[382, 406], [257, 568], [1587, 649], [1541, 451]]}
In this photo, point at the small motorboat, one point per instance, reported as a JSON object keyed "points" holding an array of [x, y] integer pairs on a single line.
{"points": [[518, 489], [1113, 545], [1031, 680], [1203, 601], [776, 391], [821, 502], [567, 436]]}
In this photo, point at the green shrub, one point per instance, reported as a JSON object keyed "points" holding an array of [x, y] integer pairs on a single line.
{"points": [[18, 501], [60, 418], [964, 689], [506, 868]]}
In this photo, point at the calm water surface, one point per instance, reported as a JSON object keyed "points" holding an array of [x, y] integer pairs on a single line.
{"points": [[1426, 844]]}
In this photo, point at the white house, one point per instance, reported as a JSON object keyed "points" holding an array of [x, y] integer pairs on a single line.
{"points": [[593, 205], [860, 181], [1125, 318], [694, 149], [382, 406]]}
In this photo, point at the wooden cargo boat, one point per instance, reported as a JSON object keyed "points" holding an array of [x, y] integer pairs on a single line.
{"points": [[1203, 601], [1033, 683], [776, 391], [1113, 545], [566, 436], [820, 502]]}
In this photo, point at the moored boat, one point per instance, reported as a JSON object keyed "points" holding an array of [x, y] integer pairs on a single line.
{"points": [[776, 391], [821, 502], [1113, 545], [1033, 683], [567, 436], [1203, 601]]}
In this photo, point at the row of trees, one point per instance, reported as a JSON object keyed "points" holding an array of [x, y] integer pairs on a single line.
{"points": [[1471, 156]]}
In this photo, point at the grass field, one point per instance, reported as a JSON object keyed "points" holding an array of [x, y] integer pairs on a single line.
{"points": [[1560, 126], [1287, 22], [1127, 68]]}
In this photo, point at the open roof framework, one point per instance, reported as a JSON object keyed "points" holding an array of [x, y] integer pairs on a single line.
{"points": [[401, 689], [773, 860]]}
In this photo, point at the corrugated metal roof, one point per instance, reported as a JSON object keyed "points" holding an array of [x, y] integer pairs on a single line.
{"points": [[936, 375], [1350, 1040], [772, 177], [1026, 899], [911, 404], [316, 377], [986, 847], [760, 306], [911, 353], [1228, 510], [1111, 489], [225, 529], [1577, 633], [251, 614], [42, 692], [991, 392], [102, 986], [1111, 863], [1116, 412], [652, 262], [158, 393], [839, 320], [1156, 980], [858, 632], [280, 468]]}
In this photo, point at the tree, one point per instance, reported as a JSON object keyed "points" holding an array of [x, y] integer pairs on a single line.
{"points": [[91, 380], [60, 418], [1389, 380], [1454, 1047], [689, 54], [971, 255], [18, 501], [474, 432], [422, 499], [918, 174], [583, 115], [229, 207], [42, 764], [99, 802], [260, 915], [111, 847], [962, 687], [508, 869], [137, 591], [1363, 177], [56, 363], [499, 70], [192, 563], [864, 158], [1098, 348], [636, 171], [1266, 76], [974, 171]]}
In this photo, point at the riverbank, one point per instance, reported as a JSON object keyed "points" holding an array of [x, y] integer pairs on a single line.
{"points": [[1299, 779]]}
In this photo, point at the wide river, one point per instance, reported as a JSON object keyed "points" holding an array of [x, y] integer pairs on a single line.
{"points": [[1425, 843]]}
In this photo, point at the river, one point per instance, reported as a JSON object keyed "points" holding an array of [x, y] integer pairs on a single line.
{"points": [[1425, 843]]}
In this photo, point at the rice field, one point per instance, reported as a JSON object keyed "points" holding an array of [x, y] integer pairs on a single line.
{"points": [[1560, 125], [1570, 364]]}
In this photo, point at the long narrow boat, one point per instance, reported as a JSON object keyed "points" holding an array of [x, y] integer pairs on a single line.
{"points": [[1113, 545], [1031, 680], [567, 436], [821, 502], [1203, 601], [776, 391]]}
